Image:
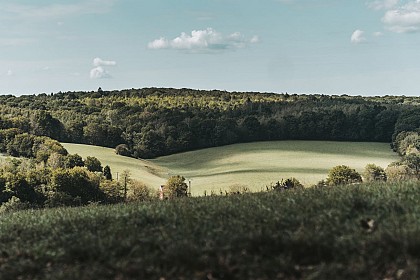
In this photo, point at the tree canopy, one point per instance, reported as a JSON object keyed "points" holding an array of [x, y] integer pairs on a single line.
{"points": [[151, 122]]}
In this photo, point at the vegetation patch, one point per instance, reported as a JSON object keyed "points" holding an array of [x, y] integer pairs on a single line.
{"points": [[368, 231]]}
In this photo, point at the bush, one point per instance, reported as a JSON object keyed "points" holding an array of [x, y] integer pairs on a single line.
{"points": [[72, 161], [139, 192], [113, 191], [60, 199], [14, 204], [76, 182], [290, 183], [93, 164], [342, 175], [122, 150], [176, 187], [374, 173]]}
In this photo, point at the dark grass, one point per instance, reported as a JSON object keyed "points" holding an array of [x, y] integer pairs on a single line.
{"points": [[308, 234]]}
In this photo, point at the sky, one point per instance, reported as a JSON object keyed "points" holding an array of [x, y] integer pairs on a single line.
{"points": [[355, 47]]}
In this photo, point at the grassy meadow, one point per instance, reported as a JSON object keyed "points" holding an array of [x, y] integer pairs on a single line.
{"points": [[369, 231], [253, 165]]}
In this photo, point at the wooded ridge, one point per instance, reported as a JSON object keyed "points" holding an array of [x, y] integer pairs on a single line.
{"points": [[151, 122]]}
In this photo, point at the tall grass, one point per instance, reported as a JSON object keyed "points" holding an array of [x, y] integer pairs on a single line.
{"points": [[297, 234]]}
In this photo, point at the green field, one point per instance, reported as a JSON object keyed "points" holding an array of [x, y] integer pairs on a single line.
{"points": [[254, 165]]}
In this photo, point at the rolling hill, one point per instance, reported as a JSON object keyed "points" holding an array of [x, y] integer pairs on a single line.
{"points": [[253, 165]]}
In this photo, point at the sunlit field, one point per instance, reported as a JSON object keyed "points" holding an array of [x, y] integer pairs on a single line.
{"points": [[254, 165]]}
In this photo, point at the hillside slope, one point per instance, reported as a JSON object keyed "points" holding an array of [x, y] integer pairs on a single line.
{"points": [[253, 165]]}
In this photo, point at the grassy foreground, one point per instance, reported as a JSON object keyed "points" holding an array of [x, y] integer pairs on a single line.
{"points": [[253, 165], [307, 234]]}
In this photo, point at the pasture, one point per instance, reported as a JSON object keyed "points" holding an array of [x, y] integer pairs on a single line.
{"points": [[253, 165]]}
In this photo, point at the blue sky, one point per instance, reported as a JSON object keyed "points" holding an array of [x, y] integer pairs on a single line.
{"points": [[357, 47]]}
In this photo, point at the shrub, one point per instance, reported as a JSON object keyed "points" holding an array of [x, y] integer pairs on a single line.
{"points": [[76, 182], [374, 173], [176, 187], [289, 183], [139, 191], [93, 164], [122, 150], [113, 191], [14, 204], [342, 174], [59, 199], [72, 161]]}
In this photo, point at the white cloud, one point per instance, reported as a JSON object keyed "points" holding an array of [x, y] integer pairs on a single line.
{"points": [[99, 73], [357, 37], [9, 73], [204, 40], [99, 62], [383, 4], [160, 43], [403, 19], [378, 34]]}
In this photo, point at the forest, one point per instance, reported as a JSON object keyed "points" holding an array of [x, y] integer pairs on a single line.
{"points": [[151, 122]]}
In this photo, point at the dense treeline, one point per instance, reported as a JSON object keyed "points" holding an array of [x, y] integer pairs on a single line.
{"points": [[60, 179], [154, 121]]}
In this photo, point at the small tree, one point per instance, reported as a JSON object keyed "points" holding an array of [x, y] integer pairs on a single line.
{"points": [[77, 183], [107, 173], [72, 161], [413, 162], [113, 191], [374, 173], [139, 191], [176, 187], [93, 164], [342, 174]]}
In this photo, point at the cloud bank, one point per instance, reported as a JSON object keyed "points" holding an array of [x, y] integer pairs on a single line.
{"points": [[204, 40], [403, 19]]}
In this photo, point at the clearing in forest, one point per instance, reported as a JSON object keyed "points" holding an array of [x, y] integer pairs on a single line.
{"points": [[251, 165]]}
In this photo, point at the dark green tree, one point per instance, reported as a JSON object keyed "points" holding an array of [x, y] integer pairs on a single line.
{"points": [[107, 173], [73, 160], [93, 164]]}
